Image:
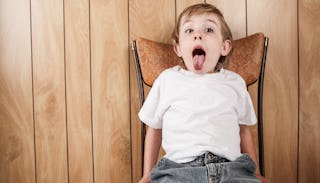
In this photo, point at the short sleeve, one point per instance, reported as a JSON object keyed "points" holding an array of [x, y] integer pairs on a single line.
{"points": [[246, 113], [152, 111]]}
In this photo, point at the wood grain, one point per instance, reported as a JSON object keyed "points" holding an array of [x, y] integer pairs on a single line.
{"points": [[17, 160], [153, 20], [182, 4], [49, 91], [110, 91], [77, 46], [309, 126], [280, 86]]}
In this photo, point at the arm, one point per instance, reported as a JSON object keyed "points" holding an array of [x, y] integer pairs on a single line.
{"points": [[247, 146], [151, 152]]}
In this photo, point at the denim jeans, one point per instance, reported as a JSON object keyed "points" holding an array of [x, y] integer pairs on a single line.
{"points": [[207, 168]]}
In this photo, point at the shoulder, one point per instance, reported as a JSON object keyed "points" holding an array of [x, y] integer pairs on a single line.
{"points": [[169, 72], [167, 75], [234, 78], [174, 69], [230, 73]]}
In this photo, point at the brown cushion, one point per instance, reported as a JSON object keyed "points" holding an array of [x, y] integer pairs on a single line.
{"points": [[245, 59], [155, 57]]}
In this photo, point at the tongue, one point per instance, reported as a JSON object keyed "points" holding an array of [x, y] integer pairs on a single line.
{"points": [[198, 61]]}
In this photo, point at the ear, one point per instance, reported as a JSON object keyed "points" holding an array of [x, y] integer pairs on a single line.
{"points": [[176, 49], [226, 47]]}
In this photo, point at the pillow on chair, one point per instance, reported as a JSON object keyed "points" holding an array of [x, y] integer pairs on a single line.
{"points": [[245, 58]]}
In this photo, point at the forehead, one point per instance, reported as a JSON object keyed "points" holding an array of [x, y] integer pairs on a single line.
{"points": [[207, 17]]}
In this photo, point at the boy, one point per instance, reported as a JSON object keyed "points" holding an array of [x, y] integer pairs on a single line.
{"points": [[200, 112]]}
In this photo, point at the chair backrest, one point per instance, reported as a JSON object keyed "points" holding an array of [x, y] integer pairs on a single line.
{"points": [[247, 59]]}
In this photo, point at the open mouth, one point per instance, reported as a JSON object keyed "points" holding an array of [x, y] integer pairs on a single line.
{"points": [[198, 51], [198, 56]]}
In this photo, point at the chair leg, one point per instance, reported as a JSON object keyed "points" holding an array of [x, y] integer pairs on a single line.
{"points": [[141, 95]]}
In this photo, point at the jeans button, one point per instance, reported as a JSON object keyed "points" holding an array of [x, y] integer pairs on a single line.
{"points": [[211, 179]]}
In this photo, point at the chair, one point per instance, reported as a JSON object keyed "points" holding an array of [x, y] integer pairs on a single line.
{"points": [[248, 59]]}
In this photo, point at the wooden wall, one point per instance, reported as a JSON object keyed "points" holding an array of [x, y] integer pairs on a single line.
{"points": [[68, 91], [309, 91], [64, 91]]}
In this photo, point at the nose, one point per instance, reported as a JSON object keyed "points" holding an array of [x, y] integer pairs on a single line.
{"points": [[197, 36]]}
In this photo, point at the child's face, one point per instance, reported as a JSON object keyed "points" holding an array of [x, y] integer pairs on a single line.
{"points": [[201, 43]]}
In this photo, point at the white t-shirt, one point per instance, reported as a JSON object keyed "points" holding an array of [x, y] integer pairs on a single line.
{"points": [[198, 113]]}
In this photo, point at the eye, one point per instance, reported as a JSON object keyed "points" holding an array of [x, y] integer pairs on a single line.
{"points": [[188, 31], [208, 29]]}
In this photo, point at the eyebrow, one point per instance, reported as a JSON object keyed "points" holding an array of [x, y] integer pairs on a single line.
{"points": [[209, 20]]}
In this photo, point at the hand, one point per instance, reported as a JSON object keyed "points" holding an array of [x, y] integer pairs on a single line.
{"points": [[145, 179], [263, 179]]}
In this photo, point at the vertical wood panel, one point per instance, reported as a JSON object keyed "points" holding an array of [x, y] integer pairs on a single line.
{"points": [[281, 85], [309, 136], [49, 91], [17, 161], [78, 91], [110, 91], [182, 4], [153, 20], [136, 130]]}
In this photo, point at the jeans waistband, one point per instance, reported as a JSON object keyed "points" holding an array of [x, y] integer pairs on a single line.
{"points": [[207, 158]]}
